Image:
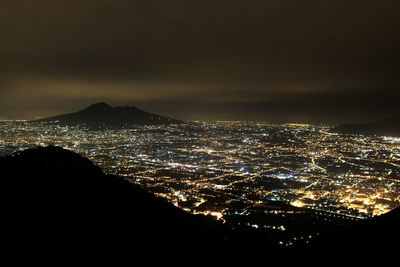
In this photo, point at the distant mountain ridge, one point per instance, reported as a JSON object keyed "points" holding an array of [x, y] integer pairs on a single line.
{"points": [[103, 115], [387, 127]]}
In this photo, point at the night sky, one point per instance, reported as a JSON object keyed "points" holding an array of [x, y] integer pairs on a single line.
{"points": [[272, 60]]}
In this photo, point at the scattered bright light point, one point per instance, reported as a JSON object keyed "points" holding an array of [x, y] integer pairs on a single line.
{"points": [[297, 203]]}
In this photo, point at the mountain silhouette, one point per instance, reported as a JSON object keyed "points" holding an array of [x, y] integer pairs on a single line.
{"points": [[387, 127], [103, 115]]}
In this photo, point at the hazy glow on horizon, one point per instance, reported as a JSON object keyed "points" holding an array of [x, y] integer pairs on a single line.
{"points": [[256, 60]]}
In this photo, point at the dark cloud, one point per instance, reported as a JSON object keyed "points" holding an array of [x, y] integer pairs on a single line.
{"points": [[316, 60]]}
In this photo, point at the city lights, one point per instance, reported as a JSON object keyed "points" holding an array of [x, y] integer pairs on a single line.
{"points": [[209, 167]]}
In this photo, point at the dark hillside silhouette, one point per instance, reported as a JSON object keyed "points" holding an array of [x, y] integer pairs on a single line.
{"points": [[380, 234], [53, 198], [58, 204]]}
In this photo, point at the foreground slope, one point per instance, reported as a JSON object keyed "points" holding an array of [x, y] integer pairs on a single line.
{"points": [[56, 203], [379, 235]]}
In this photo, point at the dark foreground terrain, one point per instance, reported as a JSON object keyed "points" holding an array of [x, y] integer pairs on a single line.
{"points": [[58, 205]]}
